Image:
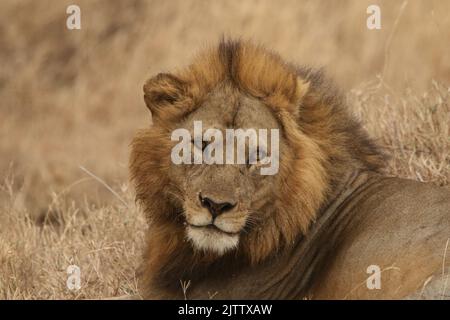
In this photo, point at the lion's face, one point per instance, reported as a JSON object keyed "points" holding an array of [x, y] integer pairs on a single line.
{"points": [[222, 201]]}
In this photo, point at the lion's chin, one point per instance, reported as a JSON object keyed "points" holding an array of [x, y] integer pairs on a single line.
{"points": [[208, 239]]}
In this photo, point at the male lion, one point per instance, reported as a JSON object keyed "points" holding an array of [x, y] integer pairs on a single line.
{"points": [[319, 228]]}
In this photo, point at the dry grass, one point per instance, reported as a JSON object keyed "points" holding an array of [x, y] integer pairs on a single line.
{"points": [[414, 129], [105, 242], [73, 98]]}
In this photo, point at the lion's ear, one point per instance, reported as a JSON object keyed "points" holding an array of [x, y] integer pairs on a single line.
{"points": [[162, 91]]}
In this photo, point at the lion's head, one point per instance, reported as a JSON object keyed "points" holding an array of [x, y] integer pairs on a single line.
{"points": [[203, 213], [219, 202]]}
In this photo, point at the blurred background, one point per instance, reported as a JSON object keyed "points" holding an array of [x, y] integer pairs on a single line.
{"points": [[71, 98]]}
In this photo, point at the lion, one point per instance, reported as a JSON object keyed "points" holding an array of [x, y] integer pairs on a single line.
{"points": [[328, 225]]}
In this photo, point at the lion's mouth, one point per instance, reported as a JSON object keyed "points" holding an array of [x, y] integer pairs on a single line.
{"points": [[211, 238], [213, 228]]}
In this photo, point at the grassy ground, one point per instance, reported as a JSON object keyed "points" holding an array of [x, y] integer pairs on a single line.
{"points": [[72, 100]]}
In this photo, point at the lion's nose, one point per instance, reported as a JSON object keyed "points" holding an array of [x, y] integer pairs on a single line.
{"points": [[214, 207]]}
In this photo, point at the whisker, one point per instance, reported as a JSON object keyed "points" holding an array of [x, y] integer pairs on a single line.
{"points": [[178, 197], [252, 221]]}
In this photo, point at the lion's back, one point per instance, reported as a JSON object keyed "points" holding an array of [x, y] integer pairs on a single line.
{"points": [[399, 227]]}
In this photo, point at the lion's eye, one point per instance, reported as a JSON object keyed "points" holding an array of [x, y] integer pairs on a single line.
{"points": [[256, 157], [202, 145]]}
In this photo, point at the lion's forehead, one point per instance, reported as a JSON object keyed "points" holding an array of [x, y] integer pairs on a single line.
{"points": [[227, 108]]}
